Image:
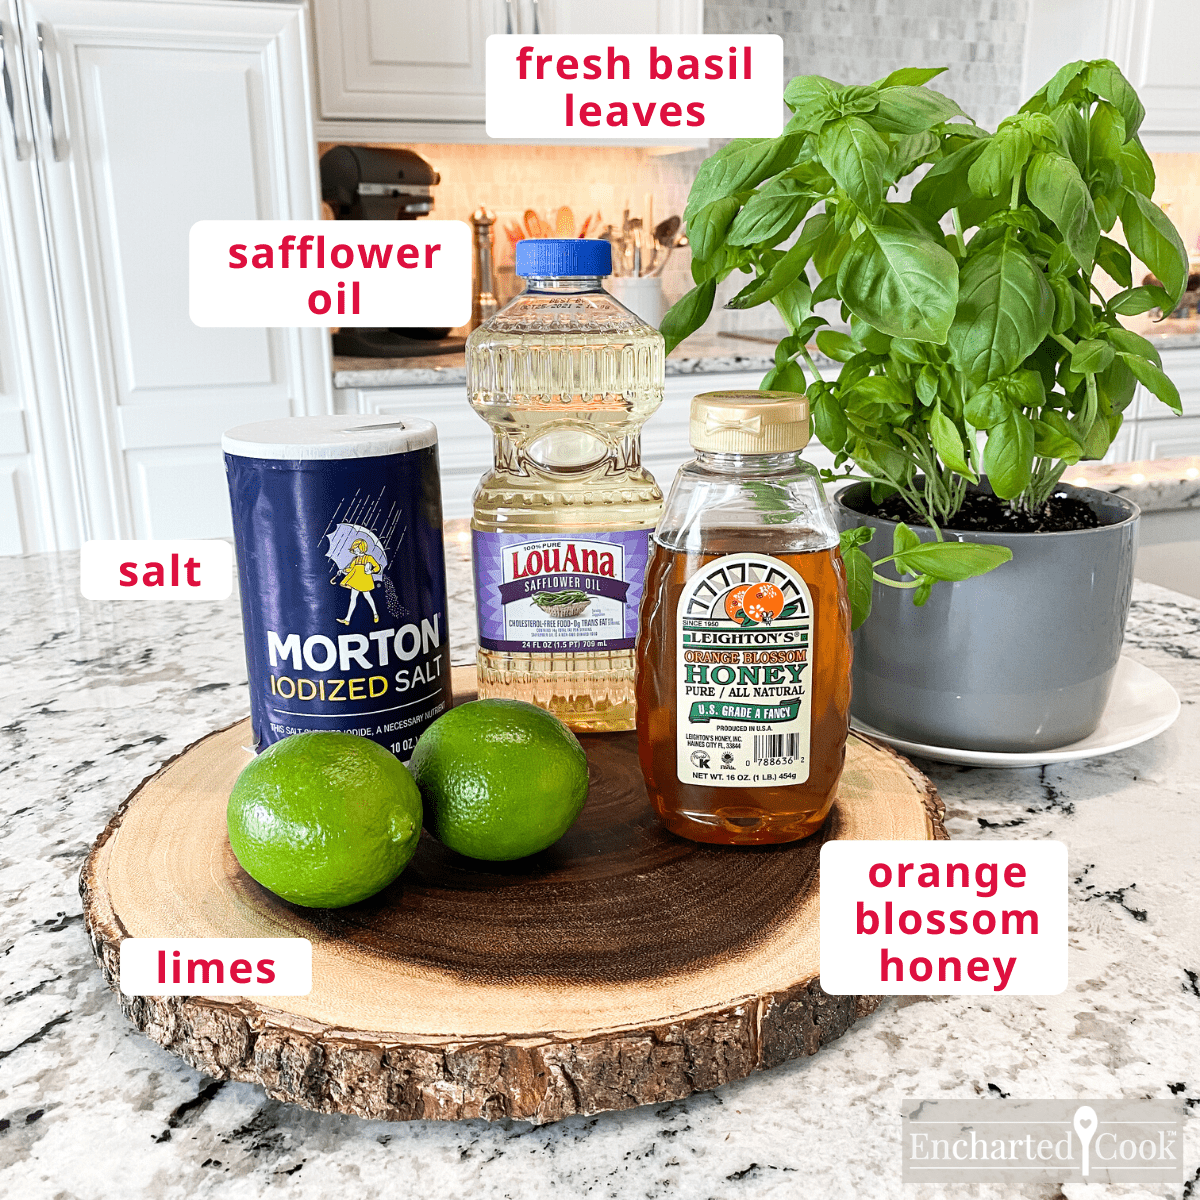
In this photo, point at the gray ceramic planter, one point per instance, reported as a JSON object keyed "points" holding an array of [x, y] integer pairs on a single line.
{"points": [[1019, 659]]}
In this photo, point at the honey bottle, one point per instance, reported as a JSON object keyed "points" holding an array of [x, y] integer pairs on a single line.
{"points": [[743, 690]]}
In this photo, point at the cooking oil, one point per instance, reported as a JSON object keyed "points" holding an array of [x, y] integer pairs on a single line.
{"points": [[566, 377]]}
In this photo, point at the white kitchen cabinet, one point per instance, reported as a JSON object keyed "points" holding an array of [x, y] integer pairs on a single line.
{"points": [[1153, 42], [146, 116], [38, 493], [403, 70], [1152, 430]]}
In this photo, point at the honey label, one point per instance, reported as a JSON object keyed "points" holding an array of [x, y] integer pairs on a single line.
{"points": [[743, 689]]}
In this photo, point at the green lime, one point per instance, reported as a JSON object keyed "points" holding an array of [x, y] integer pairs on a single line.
{"points": [[501, 779], [324, 819]]}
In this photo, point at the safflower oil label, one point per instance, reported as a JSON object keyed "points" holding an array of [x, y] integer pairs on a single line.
{"points": [[562, 593], [743, 687]]}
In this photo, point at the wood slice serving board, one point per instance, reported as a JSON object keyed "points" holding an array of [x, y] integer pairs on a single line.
{"points": [[623, 966]]}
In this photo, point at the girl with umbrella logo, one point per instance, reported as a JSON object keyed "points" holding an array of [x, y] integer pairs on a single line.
{"points": [[360, 559]]}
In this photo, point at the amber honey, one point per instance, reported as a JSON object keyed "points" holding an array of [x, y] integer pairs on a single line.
{"points": [[757, 648]]}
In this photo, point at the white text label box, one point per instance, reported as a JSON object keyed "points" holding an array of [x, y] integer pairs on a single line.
{"points": [[156, 570], [634, 86], [265, 274], [944, 918]]}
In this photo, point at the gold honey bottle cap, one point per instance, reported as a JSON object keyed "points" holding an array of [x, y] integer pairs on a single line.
{"points": [[749, 422]]}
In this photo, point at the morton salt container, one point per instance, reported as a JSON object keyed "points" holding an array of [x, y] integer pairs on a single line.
{"points": [[338, 528]]}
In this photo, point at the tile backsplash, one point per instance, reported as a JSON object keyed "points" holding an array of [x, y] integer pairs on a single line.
{"points": [[508, 179]]}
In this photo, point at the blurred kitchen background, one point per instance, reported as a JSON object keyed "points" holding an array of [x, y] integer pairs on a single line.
{"points": [[131, 119]]}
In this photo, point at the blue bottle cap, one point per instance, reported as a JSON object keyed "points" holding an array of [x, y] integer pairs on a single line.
{"points": [[554, 258]]}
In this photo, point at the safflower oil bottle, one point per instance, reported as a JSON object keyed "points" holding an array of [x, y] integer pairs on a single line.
{"points": [[744, 691], [566, 377]]}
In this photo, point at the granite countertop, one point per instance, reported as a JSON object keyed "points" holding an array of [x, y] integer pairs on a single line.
{"points": [[95, 696], [701, 354], [1156, 485]]}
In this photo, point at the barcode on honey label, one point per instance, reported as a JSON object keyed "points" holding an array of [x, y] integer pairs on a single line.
{"points": [[776, 747], [744, 654]]}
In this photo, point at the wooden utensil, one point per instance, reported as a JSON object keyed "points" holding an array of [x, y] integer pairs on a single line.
{"points": [[666, 234]]}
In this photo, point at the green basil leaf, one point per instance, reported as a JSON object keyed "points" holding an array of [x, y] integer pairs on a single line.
{"points": [[1106, 80], [687, 314], [1114, 258], [1139, 300], [794, 303], [859, 582], [946, 184], [1064, 304], [725, 260], [869, 338], [909, 216], [907, 151], [829, 422], [1129, 342], [905, 108], [901, 283], [838, 346], [1136, 168], [948, 443], [830, 250], [739, 166], [811, 98], [1057, 189], [927, 385], [788, 378], [1098, 438], [876, 390], [771, 214], [1005, 308], [765, 287], [1153, 379], [1003, 155], [1072, 132], [1025, 387], [1008, 456], [953, 561], [1116, 386], [706, 229], [855, 155], [1055, 421], [1091, 356], [903, 539], [860, 535], [910, 77], [1049, 442], [826, 289], [1106, 133], [1061, 83], [1154, 239], [1107, 211], [787, 348], [989, 406], [922, 592]]}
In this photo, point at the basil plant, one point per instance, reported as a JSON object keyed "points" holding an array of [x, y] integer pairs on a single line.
{"points": [[978, 340]]}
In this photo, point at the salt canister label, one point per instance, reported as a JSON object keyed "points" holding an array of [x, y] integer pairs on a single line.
{"points": [[338, 532]]}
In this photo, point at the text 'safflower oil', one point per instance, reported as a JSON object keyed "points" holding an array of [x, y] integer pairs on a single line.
{"points": [[566, 376]]}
